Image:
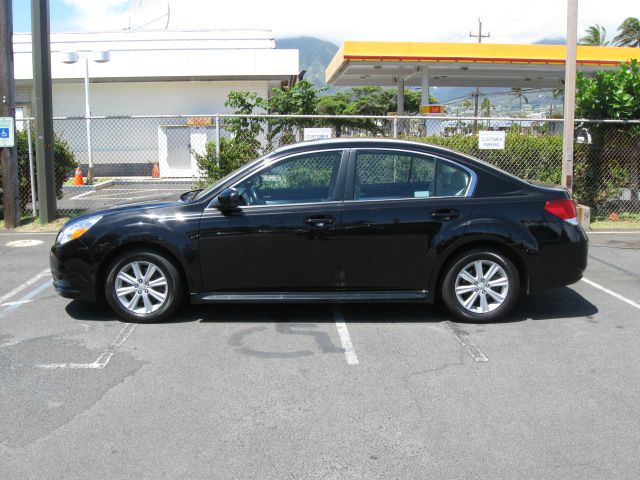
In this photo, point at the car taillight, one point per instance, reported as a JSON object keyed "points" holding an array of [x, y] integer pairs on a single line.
{"points": [[564, 209]]}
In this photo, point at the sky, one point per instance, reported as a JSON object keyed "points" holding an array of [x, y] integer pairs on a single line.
{"points": [[507, 21]]}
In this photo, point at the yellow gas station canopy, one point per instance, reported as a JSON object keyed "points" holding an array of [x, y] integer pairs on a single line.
{"points": [[465, 64]]}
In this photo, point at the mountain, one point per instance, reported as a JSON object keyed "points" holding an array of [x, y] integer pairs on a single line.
{"points": [[552, 41], [315, 55]]}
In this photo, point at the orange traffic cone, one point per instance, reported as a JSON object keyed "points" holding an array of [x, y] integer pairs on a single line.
{"points": [[156, 171], [77, 180]]}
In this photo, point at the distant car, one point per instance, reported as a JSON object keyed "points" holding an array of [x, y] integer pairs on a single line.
{"points": [[331, 221]]}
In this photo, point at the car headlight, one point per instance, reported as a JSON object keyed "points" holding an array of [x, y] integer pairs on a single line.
{"points": [[76, 229]]}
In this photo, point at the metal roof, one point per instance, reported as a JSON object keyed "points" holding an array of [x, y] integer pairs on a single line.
{"points": [[465, 64]]}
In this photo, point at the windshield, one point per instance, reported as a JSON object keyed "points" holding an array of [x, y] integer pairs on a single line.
{"points": [[217, 183]]}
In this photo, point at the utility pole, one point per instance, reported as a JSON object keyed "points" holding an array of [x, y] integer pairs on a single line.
{"points": [[569, 95], [479, 36], [10, 185], [43, 108]]}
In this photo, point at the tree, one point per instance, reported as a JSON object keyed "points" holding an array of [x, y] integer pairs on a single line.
{"points": [[610, 94], [595, 35], [301, 99], [628, 33], [486, 106], [519, 94], [607, 95]]}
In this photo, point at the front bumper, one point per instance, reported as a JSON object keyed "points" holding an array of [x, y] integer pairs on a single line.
{"points": [[73, 271]]}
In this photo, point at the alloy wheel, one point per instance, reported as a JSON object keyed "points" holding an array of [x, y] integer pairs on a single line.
{"points": [[141, 287], [481, 286]]}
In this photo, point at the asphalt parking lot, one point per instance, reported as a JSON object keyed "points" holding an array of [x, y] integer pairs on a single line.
{"points": [[123, 192], [320, 391]]}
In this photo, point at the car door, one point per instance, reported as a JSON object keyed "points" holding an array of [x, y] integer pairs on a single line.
{"points": [[284, 236], [399, 207]]}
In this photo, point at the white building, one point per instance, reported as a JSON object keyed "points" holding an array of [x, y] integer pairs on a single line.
{"points": [[150, 73]]}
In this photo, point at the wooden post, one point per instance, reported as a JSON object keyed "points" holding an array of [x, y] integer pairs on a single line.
{"points": [[43, 108], [10, 186]]}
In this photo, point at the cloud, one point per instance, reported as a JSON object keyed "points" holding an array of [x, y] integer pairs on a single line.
{"points": [[338, 20], [97, 15]]}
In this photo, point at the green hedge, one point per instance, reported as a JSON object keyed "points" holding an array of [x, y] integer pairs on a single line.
{"points": [[64, 163], [533, 157]]}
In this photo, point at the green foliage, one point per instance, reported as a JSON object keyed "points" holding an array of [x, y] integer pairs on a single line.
{"points": [[611, 94], [64, 163], [366, 101], [628, 33], [608, 95], [301, 99], [531, 157], [594, 35], [233, 154]]}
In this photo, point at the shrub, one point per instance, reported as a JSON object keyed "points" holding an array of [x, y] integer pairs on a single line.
{"points": [[233, 154], [531, 157], [64, 163]]}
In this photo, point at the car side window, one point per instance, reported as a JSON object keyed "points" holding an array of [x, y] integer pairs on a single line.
{"points": [[303, 179], [382, 175], [451, 180]]}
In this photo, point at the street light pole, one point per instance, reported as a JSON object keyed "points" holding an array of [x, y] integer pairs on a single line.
{"points": [[87, 115], [99, 57], [569, 95]]}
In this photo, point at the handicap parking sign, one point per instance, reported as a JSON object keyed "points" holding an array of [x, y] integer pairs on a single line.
{"points": [[6, 132]]}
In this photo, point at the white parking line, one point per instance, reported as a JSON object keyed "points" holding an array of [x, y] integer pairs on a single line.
{"points": [[82, 195], [345, 338], [103, 360], [611, 292], [466, 343], [29, 296], [19, 288]]}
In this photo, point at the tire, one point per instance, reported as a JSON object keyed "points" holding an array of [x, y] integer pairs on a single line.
{"points": [[480, 302], [164, 284]]}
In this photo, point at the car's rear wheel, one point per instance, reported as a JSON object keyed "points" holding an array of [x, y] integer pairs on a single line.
{"points": [[143, 287], [481, 286]]}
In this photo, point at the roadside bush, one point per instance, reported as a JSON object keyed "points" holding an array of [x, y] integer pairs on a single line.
{"points": [[531, 157], [233, 154], [64, 163]]}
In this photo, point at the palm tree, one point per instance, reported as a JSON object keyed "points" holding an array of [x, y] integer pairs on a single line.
{"points": [[519, 94], [595, 35], [486, 106], [628, 33]]}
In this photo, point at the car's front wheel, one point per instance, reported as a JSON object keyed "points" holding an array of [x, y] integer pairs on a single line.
{"points": [[481, 286], [143, 286]]}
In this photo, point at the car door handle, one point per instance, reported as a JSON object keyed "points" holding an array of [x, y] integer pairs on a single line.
{"points": [[319, 220], [445, 214]]}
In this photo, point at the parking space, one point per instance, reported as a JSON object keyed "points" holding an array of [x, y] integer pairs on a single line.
{"points": [[321, 391], [122, 192]]}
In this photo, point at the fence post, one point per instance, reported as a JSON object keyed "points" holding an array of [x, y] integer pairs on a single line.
{"points": [[32, 177], [395, 127], [218, 140]]}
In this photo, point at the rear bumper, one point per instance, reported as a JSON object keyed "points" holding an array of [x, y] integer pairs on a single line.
{"points": [[559, 263]]}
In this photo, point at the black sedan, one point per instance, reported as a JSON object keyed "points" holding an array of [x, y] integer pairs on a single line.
{"points": [[331, 221]]}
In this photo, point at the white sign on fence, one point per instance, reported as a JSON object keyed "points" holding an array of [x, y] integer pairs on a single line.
{"points": [[317, 133], [488, 140], [6, 132]]}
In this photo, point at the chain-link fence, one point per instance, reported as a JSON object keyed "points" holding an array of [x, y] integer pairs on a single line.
{"points": [[142, 158]]}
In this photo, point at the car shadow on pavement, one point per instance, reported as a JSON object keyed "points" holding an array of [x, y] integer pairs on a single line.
{"points": [[549, 305]]}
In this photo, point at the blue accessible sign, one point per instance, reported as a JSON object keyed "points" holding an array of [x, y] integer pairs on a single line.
{"points": [[6, 132]]}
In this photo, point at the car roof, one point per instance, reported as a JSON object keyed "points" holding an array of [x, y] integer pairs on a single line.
{"points": [[356, 143]]}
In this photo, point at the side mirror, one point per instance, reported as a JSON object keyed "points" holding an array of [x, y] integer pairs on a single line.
{"points": [[229, 199]]}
